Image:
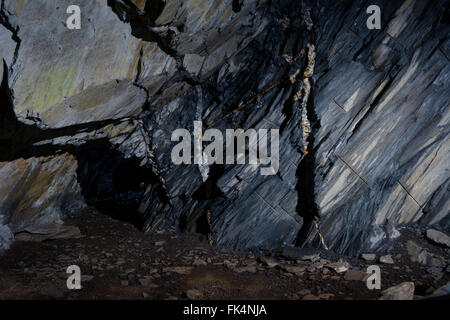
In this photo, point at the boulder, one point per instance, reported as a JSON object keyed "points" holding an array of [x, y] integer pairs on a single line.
{"points": [[403, 291], [438, 237]]}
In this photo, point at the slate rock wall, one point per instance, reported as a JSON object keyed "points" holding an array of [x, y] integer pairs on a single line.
{"points": [[375, 159]]}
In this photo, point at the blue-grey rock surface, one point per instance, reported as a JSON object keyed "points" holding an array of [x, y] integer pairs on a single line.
{"points": [[363, 115]]}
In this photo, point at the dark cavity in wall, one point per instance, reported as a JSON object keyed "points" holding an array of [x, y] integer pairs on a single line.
{"points": [[306, 206], [111, 183], [237, 5], [206, 194]]}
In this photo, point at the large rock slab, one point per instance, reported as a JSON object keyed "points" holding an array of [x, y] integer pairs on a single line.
{"points": [[33, 193], [438, 237]]}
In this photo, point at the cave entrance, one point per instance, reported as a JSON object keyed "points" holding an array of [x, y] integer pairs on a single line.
{"points": [[111, 183]]}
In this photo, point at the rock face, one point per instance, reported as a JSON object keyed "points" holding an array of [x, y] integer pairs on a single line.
{"points": [[438, 237], [362, 117], [404, 291]]}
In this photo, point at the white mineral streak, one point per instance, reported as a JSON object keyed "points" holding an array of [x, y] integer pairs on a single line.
{"points": [[306, 89], [203, 166]]}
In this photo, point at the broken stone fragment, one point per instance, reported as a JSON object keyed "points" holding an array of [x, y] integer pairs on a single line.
{"points": [[194, 294], [144, 281], [369, 256], [249, 269], [339, 267], [199, 262], [297, 270], [312, 257], [438, 237], [387, 259], [178, 270], [403, 291], [442, 291], [269, 262], [414, 251], [193, 63], [49, 232], [356, 275], [422, 256]]}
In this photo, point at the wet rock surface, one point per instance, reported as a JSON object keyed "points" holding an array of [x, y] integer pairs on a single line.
{"points": [[119, 262], [363, 119]]}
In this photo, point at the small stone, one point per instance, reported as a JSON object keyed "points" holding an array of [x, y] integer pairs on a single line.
{"points": [[144, 282], [120, 262], [368, 256], [311, 257], [124, 283], [403, 291], [356, 275], [199, 262], [326, 296], [159, 243], [249, 269], [438, 237], [339, 267], [387, 259], [297, 270], [230, 265], [310, 297], [145, 295], [269, 262], [304, 292], [194, 294], [178, 270], [86, 278]]}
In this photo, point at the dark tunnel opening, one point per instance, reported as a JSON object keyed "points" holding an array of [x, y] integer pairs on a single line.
{"points": [[112, 184]]}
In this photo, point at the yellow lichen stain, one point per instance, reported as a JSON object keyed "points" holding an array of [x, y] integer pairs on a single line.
{"points": [[227, 13], [20, 6], [210, 237], [140, 3], [51, 87], [134, 63]]}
